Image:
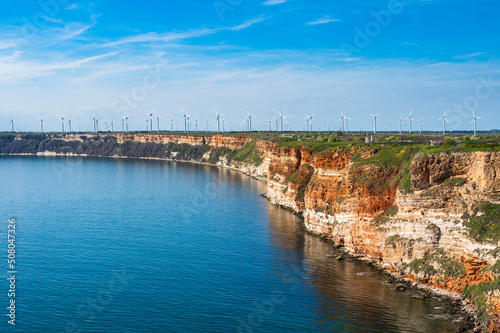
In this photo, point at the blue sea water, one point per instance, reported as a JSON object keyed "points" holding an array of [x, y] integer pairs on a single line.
{"points": [[116, 245]]}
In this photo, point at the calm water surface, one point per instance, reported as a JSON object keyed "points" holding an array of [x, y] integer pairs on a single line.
{"points": [[148, 246]]}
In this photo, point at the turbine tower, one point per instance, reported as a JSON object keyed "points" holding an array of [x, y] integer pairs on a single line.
{"points": [[126, 123], [41, 125], [69, 125], [474, 120], [421, 121], [12, 123], [410, 120], [172, 124], [445, 120], [281, 120], [400, 124], [185, 119], [250, 121], [375, 122], [347, 124], [123, 124], [217, 120], [341, 120], [158, 123], [62, 124], [270, 124], [150, 122]]}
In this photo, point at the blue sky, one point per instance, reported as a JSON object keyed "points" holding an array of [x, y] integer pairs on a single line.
{"points": [[115, 58]]}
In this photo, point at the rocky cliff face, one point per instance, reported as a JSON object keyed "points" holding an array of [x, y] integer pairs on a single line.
{"points": [[431, 218], [421, 218]]}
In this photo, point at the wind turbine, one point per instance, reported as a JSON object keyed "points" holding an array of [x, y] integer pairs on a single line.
{"points": [[147, 124], [341, 119], [97, 125], [41, 124], [185, 119], [196, 124], [281, 120], [474, 120], [172, 124], [390, 125], [400, 124], [444, 122], [250, 121], [123, 123], [270, 122], [217, 120], [410, 120], [347, 124], [306, 117], [12, 123], [126, 123], [375, 122], [93, 122], [421, 121], [62, 123], [106, 126], [150, 121], [158, 123], [69, 124], [112, 129]]}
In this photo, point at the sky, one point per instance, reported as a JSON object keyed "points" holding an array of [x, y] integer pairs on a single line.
{"points": [[111, 59]]}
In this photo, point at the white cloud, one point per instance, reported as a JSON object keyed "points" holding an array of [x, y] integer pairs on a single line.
{"points": [[273, 2], [247, 24], [323, 20]]}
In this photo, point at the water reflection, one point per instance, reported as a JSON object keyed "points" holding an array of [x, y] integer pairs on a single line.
{"points": [[351, 296]]}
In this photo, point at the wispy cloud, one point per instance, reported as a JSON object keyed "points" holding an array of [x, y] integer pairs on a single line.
{"points": [[162, 37], [247, 24], [323, 20], [273, 2]]}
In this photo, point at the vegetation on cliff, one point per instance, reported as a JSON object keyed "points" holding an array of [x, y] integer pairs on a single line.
{"points": [[484, 223], [438, 263]]}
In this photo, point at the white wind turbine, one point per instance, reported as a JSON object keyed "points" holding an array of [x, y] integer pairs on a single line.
{"points": [[421, 122], [410, 120], [123, 123], [347, 124], [186, 117], [62, 124], [150, 121], [158, 123], [69, 124], [341, 120], [270, 124], [445, 120], [217, 120], [172, 124], [306, 117], [12, 123], [375, 122], [41, 124], [400, 124], [250, 120], [474, 120]]}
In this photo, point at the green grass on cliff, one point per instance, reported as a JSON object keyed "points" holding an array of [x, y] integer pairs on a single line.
{"points": [[386, 215], [484, 224], [477, 293], [438, 263]]}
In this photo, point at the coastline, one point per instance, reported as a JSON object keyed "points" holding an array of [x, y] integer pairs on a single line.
{"points": [[458, 301]]}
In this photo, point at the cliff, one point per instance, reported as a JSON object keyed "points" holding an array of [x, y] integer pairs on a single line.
{"points": [[432, 217]]}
